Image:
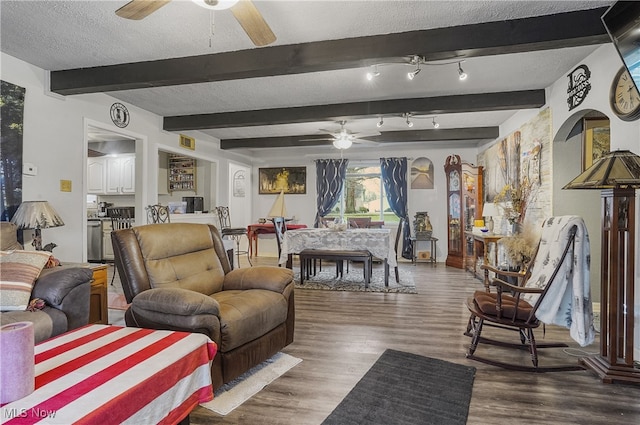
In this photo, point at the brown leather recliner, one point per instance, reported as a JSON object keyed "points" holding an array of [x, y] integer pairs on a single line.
{"points": [[177, 276]]}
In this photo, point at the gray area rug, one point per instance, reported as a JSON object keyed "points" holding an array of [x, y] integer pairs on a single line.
{"points": [[354, 280], [408, 389]]}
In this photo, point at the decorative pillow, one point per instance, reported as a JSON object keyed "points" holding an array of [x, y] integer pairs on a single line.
{"points": [[18, 272]]}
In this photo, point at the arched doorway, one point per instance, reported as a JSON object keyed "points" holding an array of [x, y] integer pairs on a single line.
{"points": [[568, 162]]}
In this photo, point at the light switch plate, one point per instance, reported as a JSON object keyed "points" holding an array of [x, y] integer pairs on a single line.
{"points": [[65, 185]]}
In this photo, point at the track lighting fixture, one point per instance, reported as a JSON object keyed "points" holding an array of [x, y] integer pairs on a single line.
{"points": [[418, 62], [373, 73], [461, 73], [435, 124], [380, 123]]}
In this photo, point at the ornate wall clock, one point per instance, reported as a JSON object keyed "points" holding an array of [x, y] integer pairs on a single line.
{"points": [[624, 97]]}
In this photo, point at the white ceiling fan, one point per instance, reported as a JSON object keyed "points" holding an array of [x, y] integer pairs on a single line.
{"points": [[344, 138], [245, 12]]}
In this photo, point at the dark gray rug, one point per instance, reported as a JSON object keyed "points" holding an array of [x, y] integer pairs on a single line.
{"points": [[354, 281], [408, 389]]}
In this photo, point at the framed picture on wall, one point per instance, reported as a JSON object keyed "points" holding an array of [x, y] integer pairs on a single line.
{"points": [[596, 140], [291, 180]]}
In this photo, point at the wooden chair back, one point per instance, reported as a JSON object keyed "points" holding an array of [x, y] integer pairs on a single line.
{"points": [[280, 226], [121, 218], [360, 222]]}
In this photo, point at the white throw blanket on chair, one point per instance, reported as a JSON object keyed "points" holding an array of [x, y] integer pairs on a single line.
{"points": [[568, 301]]}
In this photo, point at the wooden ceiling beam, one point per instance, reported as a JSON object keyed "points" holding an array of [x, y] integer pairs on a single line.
{"points": [[562, 30], [385, 137], [501, 101]]}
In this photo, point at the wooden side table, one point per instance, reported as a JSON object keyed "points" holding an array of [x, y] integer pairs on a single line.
{"points": [[432, 254], [481, 253], [98, 309]]}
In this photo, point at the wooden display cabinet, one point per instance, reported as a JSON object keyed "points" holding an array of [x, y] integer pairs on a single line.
{"points": [[464, 205]]}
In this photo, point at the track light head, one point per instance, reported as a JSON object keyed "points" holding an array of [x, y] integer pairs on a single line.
{"points": [[412, 75], [461, 73], [373, 73], [380, 123], [409, 123], [435, 124]]}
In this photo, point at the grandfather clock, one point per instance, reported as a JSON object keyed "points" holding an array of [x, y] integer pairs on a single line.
{"points": [[464, 203]]}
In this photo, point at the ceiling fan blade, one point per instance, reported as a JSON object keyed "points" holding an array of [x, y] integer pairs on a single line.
{"points": [[366, 142], [140, 9], [253, 23]]}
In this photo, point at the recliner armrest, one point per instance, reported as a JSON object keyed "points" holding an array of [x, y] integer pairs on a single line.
{"points": [[259, 277], [176, 301], [54, 284]]}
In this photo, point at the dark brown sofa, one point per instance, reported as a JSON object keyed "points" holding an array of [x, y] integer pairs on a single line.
{"points": [[177, 276], [65, 290]]}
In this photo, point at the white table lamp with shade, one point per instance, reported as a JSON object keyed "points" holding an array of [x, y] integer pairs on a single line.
{"points": [[37, 215], [490, 210]]}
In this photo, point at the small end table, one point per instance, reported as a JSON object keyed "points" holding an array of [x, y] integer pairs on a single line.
{"points": [[433, 244]]}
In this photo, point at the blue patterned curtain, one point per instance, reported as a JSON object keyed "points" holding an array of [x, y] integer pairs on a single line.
{"points": [[394, 179], [330, 175]]}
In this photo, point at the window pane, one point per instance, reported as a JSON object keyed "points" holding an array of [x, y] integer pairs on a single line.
{"points": [[363, 196]]}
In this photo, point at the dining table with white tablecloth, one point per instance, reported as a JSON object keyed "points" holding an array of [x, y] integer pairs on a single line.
{"points": [[376, 241]]}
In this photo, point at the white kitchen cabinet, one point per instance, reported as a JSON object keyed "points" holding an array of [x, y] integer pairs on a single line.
{"points": [[96, 175], [121, 175]]}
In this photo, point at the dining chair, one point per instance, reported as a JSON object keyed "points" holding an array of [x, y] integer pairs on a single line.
{"points": [[121, 218], [158, 214], [359, 222], [396, 244], [280, 226], [235, 233]]}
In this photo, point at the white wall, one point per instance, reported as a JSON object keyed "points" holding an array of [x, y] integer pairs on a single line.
{"points": [[604, 63], [54, 141], [303, 207]]}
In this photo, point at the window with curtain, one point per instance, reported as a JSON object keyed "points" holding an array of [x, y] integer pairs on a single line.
{"points": [[363, 195]]}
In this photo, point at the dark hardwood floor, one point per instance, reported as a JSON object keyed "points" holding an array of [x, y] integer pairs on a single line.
{"points": [[339, 335]]}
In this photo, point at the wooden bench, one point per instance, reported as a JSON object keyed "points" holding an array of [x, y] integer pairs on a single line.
{"points": [[334, 255]]}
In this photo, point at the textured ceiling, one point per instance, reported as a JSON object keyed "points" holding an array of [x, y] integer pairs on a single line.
{"points": [[57, 35]]}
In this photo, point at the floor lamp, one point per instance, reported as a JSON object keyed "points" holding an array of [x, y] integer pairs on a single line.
{"points": [[618, 176]]}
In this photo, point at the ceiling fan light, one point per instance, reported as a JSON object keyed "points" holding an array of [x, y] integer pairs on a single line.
{"points": [[342, 143], [215, 4]]}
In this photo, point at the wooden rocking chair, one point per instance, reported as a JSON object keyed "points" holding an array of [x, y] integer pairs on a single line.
{"points": [[506, 309]]}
